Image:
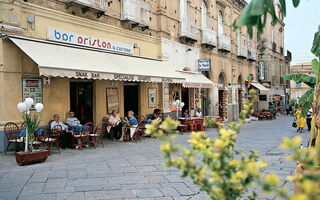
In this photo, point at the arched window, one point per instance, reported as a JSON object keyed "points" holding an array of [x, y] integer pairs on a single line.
{"points": [[204, 16], [240, 81], [280, 40], [183, 10], [221, 80], [220, 23]]}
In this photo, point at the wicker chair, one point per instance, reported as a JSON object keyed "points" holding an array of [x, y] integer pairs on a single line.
{"points": [[84, 136], [12, 132], [98, 134]]}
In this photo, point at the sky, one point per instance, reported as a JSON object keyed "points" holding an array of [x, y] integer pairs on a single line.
{"points": [[300, 25]]}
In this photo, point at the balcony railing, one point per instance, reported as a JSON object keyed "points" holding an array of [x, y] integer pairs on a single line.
{"points": [[274, 47], [135, 12], [209, 37], [224, 43], [242, 51], [252, 54], [100, 5], [188, 30]]}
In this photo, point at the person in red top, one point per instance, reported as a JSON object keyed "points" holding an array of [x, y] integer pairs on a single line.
{"points": [[186, 114]]}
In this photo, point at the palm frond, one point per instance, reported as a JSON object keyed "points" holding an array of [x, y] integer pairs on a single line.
{"points": [[301, 78]]}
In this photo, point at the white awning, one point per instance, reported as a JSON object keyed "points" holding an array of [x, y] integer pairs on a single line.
{"points": [[196, 80], [260, 87], [64, 60]]}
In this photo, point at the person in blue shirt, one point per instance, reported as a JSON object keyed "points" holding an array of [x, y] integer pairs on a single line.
{"points": [[131, 123]]}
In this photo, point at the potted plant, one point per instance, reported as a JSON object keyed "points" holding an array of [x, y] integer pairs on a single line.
{"points": [[31, 121]]}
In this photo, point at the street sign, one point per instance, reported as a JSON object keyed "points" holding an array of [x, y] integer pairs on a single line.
{"points": [[204, 65]]}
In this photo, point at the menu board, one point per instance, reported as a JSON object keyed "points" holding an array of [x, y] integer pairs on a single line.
{"points": [[112, 100], [152, 97], [166, 97], [32, 87]]}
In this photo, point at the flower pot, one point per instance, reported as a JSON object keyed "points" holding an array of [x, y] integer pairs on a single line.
{"points": [[305, 172], [23, 158]]}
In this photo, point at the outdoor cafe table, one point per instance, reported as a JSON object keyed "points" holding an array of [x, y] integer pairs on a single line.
{"points": [[193, 121]]}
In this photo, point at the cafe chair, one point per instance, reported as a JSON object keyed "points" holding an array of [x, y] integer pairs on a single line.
{"points": [[53, 137], [139, 131], [11, 130], [83, 137], [97, 135]]}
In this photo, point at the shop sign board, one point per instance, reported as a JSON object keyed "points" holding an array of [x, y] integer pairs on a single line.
{"points": [[204, 65], [32, 87], [88, 41]]}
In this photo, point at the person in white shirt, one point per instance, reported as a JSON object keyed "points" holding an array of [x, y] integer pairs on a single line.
{"points": [[72, 120], [309, 119], [199, 113], [64, 138], [116, 126]]}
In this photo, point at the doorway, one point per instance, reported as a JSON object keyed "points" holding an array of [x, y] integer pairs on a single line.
{"points": [[131, 98], [221, 106], [81, 100], [240, 100], [185, 99]]}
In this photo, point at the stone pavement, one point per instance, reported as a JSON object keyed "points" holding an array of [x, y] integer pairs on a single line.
{"points": [[133, 171]]}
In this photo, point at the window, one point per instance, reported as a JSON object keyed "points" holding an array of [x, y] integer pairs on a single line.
{"points": [[262, 97], [272, 35], [298, 94], [238, 37], [220, 23], [183, 10], [280, 40], [248, 40], [298, 85], [112, 100], [204, 16]]}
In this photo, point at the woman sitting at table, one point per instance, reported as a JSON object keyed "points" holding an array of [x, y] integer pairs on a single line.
{"points": [[131, 123], [55, 126], [115, 123], [186, 114]]}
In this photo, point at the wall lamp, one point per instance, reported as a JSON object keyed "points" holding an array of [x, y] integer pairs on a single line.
{"points": [[135, 46]]}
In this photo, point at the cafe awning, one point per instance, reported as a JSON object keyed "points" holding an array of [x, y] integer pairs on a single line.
{"points": [[195, 80], [64, 60], [260, 87]]}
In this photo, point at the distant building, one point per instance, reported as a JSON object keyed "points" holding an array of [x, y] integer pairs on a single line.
{"points": [[298, 89]]}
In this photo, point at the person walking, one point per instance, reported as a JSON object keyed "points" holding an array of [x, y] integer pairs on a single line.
{"points": [[301, 121], [287, 108], [309, 119]]}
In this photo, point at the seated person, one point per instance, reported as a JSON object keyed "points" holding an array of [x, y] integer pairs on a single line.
{"points": [[64, 138], [186, 114], [199, 113], [129, 123], [159, 116], [142, 119], [155, 114], [115, 123], [72, 121]]}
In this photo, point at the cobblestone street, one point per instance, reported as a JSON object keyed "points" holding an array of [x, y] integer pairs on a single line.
{"points": [[132, 171]]}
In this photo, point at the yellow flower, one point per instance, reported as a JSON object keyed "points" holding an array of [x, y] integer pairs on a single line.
{"points": [[307, 186], [219, 144], [299, 197], [272, 180]]}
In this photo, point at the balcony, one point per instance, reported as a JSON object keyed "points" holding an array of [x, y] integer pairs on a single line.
{"points": [[274, 47], [99, 5], [289, 56], [252, 54], [209, 38], [188, 31], [242, 51], [224, 43], [136, 13]]}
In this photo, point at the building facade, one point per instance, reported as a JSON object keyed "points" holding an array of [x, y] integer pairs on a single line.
{"points": [[298, 89], [273, 63], [97, 56]]}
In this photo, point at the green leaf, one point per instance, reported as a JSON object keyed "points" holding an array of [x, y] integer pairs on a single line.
{"points": [[301, 78], [283, 7], [305, 97], [315, 66], [316, 43], [307, 102], [295, 3]]}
